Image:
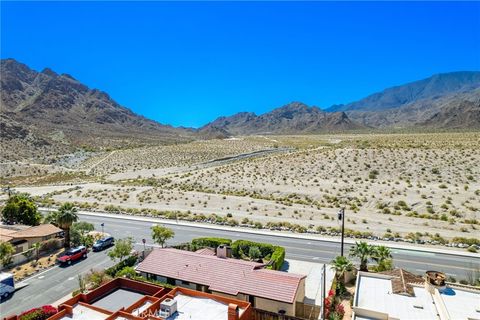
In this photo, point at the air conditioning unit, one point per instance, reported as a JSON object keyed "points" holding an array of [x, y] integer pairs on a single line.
{"points": [[168, 307]]}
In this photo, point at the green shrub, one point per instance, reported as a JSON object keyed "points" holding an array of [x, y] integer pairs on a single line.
{"points": [[210, 242], [128, 262], [128, 272], [278, 257], [276, 254]]}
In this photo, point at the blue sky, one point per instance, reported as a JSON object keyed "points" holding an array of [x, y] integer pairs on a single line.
{"points": [[185, 63]]}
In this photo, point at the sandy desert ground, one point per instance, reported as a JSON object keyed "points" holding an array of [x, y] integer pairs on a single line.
{"points": [[391, 185]]}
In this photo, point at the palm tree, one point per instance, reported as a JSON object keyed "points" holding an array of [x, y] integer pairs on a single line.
{"points": [[363, 251], [341, 265], [383, 257], [51, 218], [67, 215]]}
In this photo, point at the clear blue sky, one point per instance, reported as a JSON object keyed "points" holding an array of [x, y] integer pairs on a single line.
{"points": [[185, 63]]}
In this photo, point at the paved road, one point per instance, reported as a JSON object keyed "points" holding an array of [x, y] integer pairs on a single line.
{"points": [[53, 285]]}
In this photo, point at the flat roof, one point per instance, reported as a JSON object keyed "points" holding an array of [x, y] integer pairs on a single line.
{"points": [[376, 293], [461, 303], [230, 276], [81, 312], [198, 308], [118, 299]]}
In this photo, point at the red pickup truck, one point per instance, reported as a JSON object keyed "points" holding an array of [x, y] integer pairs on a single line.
{"points": [[72, 255]]}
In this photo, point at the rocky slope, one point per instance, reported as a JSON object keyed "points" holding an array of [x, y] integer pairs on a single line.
{"points": [[60, 113], [417, 104], [293, 118]]}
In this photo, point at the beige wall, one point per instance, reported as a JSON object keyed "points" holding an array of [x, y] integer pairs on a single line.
{"points": [[300, 296], [275, 306]]}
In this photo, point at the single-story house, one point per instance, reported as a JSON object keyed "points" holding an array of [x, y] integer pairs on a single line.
{"points": [[269, 290]]}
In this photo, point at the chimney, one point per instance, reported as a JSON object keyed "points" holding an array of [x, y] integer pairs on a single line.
{"points": [[232, 311], [224, 251]]}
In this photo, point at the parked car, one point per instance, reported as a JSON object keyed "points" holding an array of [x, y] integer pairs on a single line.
{"points": [[7, 285], [103, 243], [72, 255]]}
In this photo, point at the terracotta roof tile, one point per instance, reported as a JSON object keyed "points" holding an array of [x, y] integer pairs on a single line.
{"points": [[231, 276], [206, 252], [402, 280]]}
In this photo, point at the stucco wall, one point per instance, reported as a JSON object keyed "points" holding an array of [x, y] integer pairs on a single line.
{"points": [[275, 306]]}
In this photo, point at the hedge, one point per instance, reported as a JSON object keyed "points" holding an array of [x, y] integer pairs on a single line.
{"points": [[278, 257], [275, 253], [210, 242], [128, 262]]}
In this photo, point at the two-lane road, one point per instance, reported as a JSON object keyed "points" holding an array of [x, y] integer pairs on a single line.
{"points": [[56, 283]]}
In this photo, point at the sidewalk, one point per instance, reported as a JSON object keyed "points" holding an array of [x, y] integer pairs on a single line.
{"points": [[391, 245]]}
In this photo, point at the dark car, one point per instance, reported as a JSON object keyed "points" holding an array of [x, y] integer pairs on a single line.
{"points": [[72, 255], [103, 243]]}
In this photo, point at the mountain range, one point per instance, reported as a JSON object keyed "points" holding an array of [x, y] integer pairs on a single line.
{"points": [[443, 101], [56, 113]]}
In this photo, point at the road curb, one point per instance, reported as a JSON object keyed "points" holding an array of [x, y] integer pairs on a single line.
{"points": [[277, 234]]}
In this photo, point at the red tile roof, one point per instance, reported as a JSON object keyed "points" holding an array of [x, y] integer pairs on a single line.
{"points": [[231, 276], [206, 252]]}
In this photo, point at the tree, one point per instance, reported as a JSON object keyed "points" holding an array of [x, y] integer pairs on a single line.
{"points": [[161, 234], [66, 216], [383, 257], [79, 233], [20, 208], [363, 251], [341, 265], [51, 218], [122, 249], [6, 252]]}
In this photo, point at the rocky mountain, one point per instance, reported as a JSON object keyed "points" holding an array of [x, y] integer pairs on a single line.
{"points": [[418, 103], [293, 118], [59, 113]]}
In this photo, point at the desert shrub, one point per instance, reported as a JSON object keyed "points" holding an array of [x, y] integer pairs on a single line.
{"points": [[469, 241], [472, 249], [51, 244], [128, 262]]}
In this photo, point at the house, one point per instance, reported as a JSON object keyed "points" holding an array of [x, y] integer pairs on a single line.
{"points": [[399, 294], [124, 299], [268, 290], [24, 237]]}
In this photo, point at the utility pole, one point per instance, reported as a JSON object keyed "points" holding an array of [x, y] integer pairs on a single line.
{"points": [[341, 216], [324, 286]]}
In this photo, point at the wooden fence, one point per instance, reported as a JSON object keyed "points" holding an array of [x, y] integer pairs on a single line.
{"points": [[266, 315]]}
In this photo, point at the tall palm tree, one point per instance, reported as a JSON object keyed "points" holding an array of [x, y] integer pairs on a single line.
{"points": [[67, 215], [341, 265], [383, 257], [363, 251]]}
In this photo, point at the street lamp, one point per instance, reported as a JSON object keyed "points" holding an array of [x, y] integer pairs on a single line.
{"points": [[103, 224], [341, 216], [144, 248]]}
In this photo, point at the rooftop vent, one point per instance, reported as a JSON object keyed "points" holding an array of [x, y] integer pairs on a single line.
{"points": [[168, 307]]}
